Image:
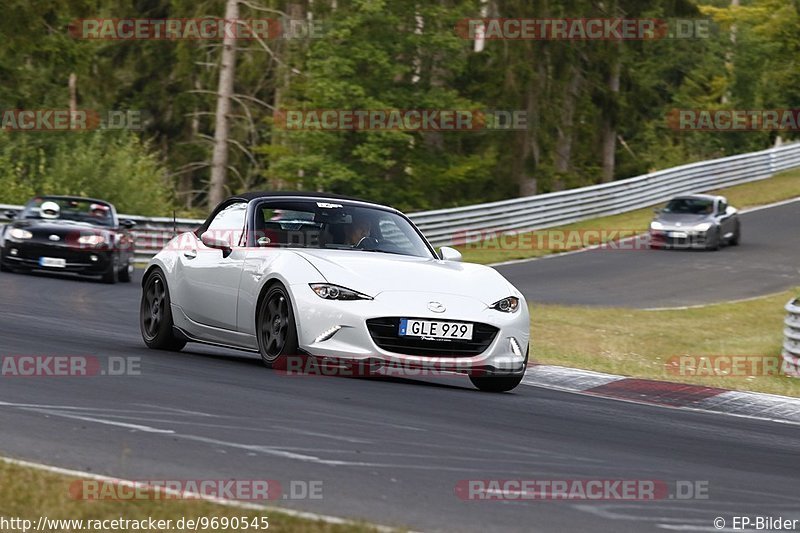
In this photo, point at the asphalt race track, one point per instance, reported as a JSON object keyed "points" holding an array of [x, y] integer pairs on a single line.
{"points": [[767, 261], [387, 451]]}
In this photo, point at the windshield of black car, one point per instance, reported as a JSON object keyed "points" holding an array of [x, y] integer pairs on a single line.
{"points": [[335, 226], [87, 211], [690, 206]]}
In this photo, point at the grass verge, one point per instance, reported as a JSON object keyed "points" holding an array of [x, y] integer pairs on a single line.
{"points": [[639, 343], [28, 493], [543, 242]]}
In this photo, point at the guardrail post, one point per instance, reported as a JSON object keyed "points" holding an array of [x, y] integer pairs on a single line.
{"points": [[791, 338]]}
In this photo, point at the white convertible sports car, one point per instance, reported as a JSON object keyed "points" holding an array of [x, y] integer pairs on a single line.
{"points": [[321, 276]]}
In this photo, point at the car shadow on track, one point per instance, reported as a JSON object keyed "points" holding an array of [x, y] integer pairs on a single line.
{"points": [[67, 276], [253, 361]]}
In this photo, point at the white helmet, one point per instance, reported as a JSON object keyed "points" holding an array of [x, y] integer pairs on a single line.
{"points": [[99, 210], [49, 210]]}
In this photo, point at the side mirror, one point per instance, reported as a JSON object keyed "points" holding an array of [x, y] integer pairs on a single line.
{"points": [[127, 223], [731, 210], [10, 214], [218, 242], [449, 254]]}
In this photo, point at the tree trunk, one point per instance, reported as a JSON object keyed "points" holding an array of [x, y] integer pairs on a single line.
{"points": [[283, 53], [72, 83], [565, 131], [527, 149], [610, 120], [219, 160]]}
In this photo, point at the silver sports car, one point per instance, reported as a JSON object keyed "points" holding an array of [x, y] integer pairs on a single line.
{"points": [[696, 221], [292, 275]]}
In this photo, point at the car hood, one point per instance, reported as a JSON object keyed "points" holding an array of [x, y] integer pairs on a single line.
{"points": [[66, 231], [373, 273], [687, 220]]}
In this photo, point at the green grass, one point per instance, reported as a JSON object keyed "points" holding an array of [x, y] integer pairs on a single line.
{"points": [[639, 343], [538, 243], [30, 493]]}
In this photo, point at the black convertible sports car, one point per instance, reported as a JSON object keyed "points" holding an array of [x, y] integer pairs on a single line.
{"points": [[68, 234]]}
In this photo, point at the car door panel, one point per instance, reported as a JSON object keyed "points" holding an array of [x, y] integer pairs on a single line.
{"points": [[210, 278]]}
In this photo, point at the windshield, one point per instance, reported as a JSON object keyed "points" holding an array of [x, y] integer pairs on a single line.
{"points": [[335, 226], [690, 206], [73, 210]]}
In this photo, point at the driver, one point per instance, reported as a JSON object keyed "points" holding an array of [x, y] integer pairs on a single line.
{"points": [[99, 211], [49, 210], [357, 229]]}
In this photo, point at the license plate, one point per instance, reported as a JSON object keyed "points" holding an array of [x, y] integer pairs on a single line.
{"points": [[678, 234], [52, 262], [435, 329]]}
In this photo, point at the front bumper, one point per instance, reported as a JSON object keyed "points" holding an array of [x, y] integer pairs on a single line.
{"points": [[354, 343], [90, 262], [679, 238]]}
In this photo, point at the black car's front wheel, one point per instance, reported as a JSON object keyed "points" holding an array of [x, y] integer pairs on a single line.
{"points": [[155, 315], [275, 327], [125, 273], [110, 275]]}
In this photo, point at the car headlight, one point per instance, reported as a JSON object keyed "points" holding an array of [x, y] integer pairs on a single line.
{"points": [[17, 233], [656, 225], [507, 305], [328, 291], [703, 227], [91, 240]]}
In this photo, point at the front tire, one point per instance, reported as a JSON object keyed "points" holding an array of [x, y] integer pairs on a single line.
{"points": [[737, 236], [110, 275], [155, 315], [713, 244], [275, 328], [126, 273], [500, 383]]}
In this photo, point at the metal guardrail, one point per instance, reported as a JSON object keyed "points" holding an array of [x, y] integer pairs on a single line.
{"points": [[453, 226], [791, 336], [456, 225]]}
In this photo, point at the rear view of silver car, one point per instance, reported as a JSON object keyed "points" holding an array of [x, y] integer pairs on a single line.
{"points": [[696, 221]]}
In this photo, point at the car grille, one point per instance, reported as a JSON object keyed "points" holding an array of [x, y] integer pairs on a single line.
{"points": [[384, 332], [28, 253]]}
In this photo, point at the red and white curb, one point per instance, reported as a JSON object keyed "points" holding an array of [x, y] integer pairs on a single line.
{"points": [[666, 394]]}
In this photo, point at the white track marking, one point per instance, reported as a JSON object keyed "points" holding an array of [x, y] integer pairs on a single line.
{"points": [[219, 501]]}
